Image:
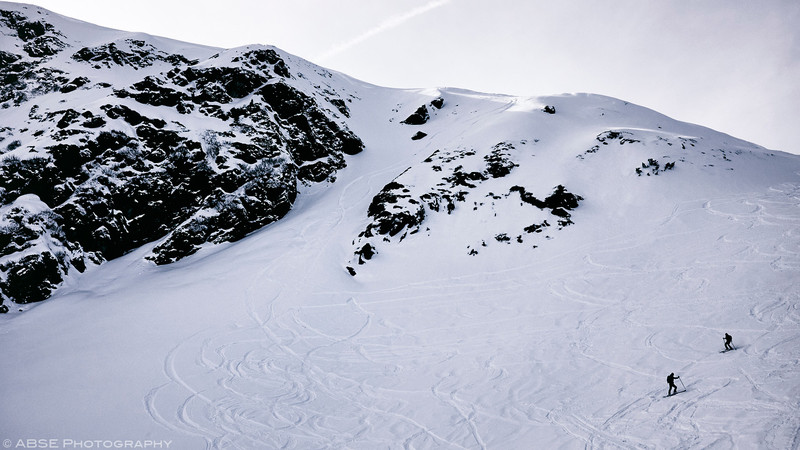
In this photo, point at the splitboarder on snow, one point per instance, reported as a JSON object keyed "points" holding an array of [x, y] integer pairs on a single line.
{"points": [[728, 338], [671, 381]]}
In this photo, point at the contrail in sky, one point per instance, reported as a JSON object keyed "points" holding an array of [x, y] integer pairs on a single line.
{"points": [[383, 26]]}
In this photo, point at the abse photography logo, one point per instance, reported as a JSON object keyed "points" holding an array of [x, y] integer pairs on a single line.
{"points": [[86, 443]]}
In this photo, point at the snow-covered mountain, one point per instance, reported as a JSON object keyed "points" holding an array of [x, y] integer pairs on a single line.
{"points": [[244, 250]]}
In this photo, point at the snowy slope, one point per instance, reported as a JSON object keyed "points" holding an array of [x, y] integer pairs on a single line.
{"points": [[560, 338]]}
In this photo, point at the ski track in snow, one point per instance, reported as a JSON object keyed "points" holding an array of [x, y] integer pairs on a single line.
{"points": [[289, 378]]}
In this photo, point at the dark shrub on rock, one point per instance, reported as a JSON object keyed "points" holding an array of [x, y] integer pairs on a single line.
{"points": [[419, 117], [365, 253], [560, 198], [31, 278], [390, 220], [498, 162], [234, 83], [419, 135]]}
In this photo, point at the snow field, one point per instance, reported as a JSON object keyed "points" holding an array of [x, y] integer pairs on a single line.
{"points": [[564, 355]]}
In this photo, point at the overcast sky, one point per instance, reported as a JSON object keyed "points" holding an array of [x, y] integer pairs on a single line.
{"points": [[731, 65]]}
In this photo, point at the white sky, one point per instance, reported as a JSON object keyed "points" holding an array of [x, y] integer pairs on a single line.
{"points": [[732, 65]]}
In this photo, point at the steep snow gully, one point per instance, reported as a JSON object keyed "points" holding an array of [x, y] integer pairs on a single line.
{"points": [[484, 317]]}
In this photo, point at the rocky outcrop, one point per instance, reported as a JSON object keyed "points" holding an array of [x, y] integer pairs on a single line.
{"points": [[439, 185], [421, 115], [39, 38], [190, 153]]}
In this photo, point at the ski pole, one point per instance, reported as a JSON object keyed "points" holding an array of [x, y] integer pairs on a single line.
{"points": [[684, 386]]}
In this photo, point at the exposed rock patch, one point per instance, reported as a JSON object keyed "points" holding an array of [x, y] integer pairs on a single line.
{"points": [[107, 179]]}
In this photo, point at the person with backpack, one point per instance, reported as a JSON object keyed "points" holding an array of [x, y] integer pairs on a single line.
{"points": [[671, 381], [728, 338]]}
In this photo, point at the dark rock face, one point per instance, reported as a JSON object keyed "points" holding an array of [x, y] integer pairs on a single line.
{"points": [[39, 37], [42, 251], [92, 180], [129, 53], [32, 278], [607, 137], [365, 253], [419, 117], [400, 209], [392, 211], [560, 202], [19, 77], [498, 161], [652, 166]]}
